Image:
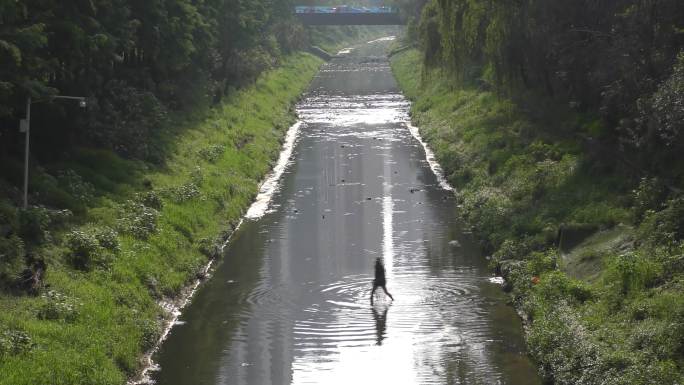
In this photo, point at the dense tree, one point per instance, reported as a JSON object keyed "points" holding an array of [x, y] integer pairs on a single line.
{"points": [[610, 59], [134, 60]]}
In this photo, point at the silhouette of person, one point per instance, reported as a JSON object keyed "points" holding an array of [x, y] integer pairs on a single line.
{"points": [[380, 280]]}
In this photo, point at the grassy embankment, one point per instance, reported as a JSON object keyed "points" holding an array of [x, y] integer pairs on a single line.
{"points": [[607, 308], [334, 38], [143, 235]]}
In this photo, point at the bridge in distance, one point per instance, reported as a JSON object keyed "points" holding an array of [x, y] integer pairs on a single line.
{"points": [[345, 15]]}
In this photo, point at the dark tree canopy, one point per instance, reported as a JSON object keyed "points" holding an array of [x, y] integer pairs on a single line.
{"points": [[134, 60], [616, 60]]}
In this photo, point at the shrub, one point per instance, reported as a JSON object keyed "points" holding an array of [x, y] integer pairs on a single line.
{"points": [[668, 105], [291, 36], [672, 259], [658, 337], [542, 151], [212, 153], [512, 249], [57, 306], [541, 262], [559, 342], [108, 238], [630, 272], [9, 220], [209, 247], [664, 226], [124, 118], [59, 217], [11, 259], [657, 130], [184, 193], [647, 196], [92, 247], [556, 286], [14, 342], [83, 249], [33, 224], [489, 209], [71, 182], [137, 219], [150, 199], [248, 64]]}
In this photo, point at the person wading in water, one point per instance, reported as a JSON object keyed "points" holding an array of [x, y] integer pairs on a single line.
{"points": [[380, 280]]}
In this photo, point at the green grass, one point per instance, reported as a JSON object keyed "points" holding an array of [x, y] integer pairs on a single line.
{"points": [[334, 38], [520, 177], [512, 178], [91, 325]]}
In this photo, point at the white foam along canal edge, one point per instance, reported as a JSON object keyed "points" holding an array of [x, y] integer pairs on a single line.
{"points": [[271, 185], [172, 307], [430, 156]]}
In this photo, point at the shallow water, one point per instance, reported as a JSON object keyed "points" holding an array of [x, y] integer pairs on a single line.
{"points": [[289, 303]]}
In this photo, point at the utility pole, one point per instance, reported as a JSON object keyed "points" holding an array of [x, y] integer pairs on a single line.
{"points": [[25, 126]]}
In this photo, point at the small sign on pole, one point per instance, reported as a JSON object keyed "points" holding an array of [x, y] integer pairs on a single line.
{"points": [[23, 125]]}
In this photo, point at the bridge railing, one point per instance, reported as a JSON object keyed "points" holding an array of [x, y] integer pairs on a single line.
{"points": [[343, 9]]}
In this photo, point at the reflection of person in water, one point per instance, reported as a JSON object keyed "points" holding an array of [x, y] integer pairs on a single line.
{"points": [[380, 324], [380, 280]]}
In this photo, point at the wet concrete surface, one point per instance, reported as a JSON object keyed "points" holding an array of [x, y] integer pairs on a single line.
{"points": [[289, 303]]}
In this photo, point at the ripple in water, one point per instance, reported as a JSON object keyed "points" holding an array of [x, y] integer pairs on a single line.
{"points": [[436, 318]]}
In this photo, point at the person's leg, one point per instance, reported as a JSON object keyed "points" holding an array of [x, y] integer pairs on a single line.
{"points": [[387, 292], [373, 292]]}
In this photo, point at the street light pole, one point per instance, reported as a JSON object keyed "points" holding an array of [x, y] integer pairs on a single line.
{"points": [[25, 125]]}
